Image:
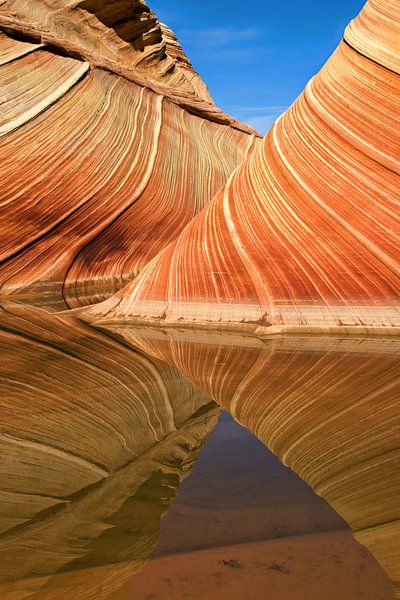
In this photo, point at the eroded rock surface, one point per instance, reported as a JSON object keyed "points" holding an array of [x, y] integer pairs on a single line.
{"points": [[109, 145], [326, 406], [95, 439], [306, 232]]}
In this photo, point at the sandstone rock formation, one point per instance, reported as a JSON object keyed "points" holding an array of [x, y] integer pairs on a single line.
{"points": [[94, 438], [109, 144], [306, 233], [326, 406]]}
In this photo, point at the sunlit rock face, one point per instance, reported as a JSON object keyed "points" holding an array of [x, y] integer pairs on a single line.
{"points": [[109, 145], [95, 439], [306, 232], [124, 36], [327, 407]]}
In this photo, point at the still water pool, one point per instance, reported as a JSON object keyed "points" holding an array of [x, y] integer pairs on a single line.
{"points": [[141, 464]]}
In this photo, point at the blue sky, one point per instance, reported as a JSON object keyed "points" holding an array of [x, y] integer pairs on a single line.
{"points": [[256, 58]]}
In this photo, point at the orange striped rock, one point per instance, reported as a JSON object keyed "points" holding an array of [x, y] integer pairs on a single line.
{"points": [[327, 406], [306, 232], [95, 438], [109, 145]]}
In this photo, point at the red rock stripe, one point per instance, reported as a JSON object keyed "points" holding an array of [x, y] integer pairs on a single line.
{"points": [[307, 230]]}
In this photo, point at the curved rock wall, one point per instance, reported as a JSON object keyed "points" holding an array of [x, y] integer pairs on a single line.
{"points": [[100, 167], [95, 439], [123, 36], [306, 232], [326, 406]]}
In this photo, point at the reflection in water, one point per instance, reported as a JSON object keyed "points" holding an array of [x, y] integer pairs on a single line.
{"points": [[95, 439], [243, 526], [98, 430], [327, 407]]}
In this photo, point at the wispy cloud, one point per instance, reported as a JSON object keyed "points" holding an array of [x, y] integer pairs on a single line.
{"points": [[223, 36], [223, 44], [261, 123], [260, 117], [256, 109]]}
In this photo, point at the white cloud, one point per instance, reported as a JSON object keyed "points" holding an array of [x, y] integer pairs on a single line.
{"points": [[223, 36], [260, 117], [261, 123], [257, 109], [223, 44]]}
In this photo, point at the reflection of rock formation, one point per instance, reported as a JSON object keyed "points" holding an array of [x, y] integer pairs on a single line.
{"points": [[327, 407], [95, 438], [306, 231], [103, 159]]}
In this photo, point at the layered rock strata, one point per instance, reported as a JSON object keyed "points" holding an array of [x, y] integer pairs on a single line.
{"points": [[306, 232], [95, 438], [109, 145], [326, 406]]}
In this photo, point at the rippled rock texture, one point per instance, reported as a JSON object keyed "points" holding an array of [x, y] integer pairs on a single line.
{"points": [[109, 144], [95, 439], [306, 232], [327, 407]]}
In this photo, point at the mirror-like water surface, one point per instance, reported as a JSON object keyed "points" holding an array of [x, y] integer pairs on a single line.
{"points": [[244, 526], [106, 434]]}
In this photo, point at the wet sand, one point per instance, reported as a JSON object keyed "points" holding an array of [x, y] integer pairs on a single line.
{"points": [[322, 566], [245, 527]]}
